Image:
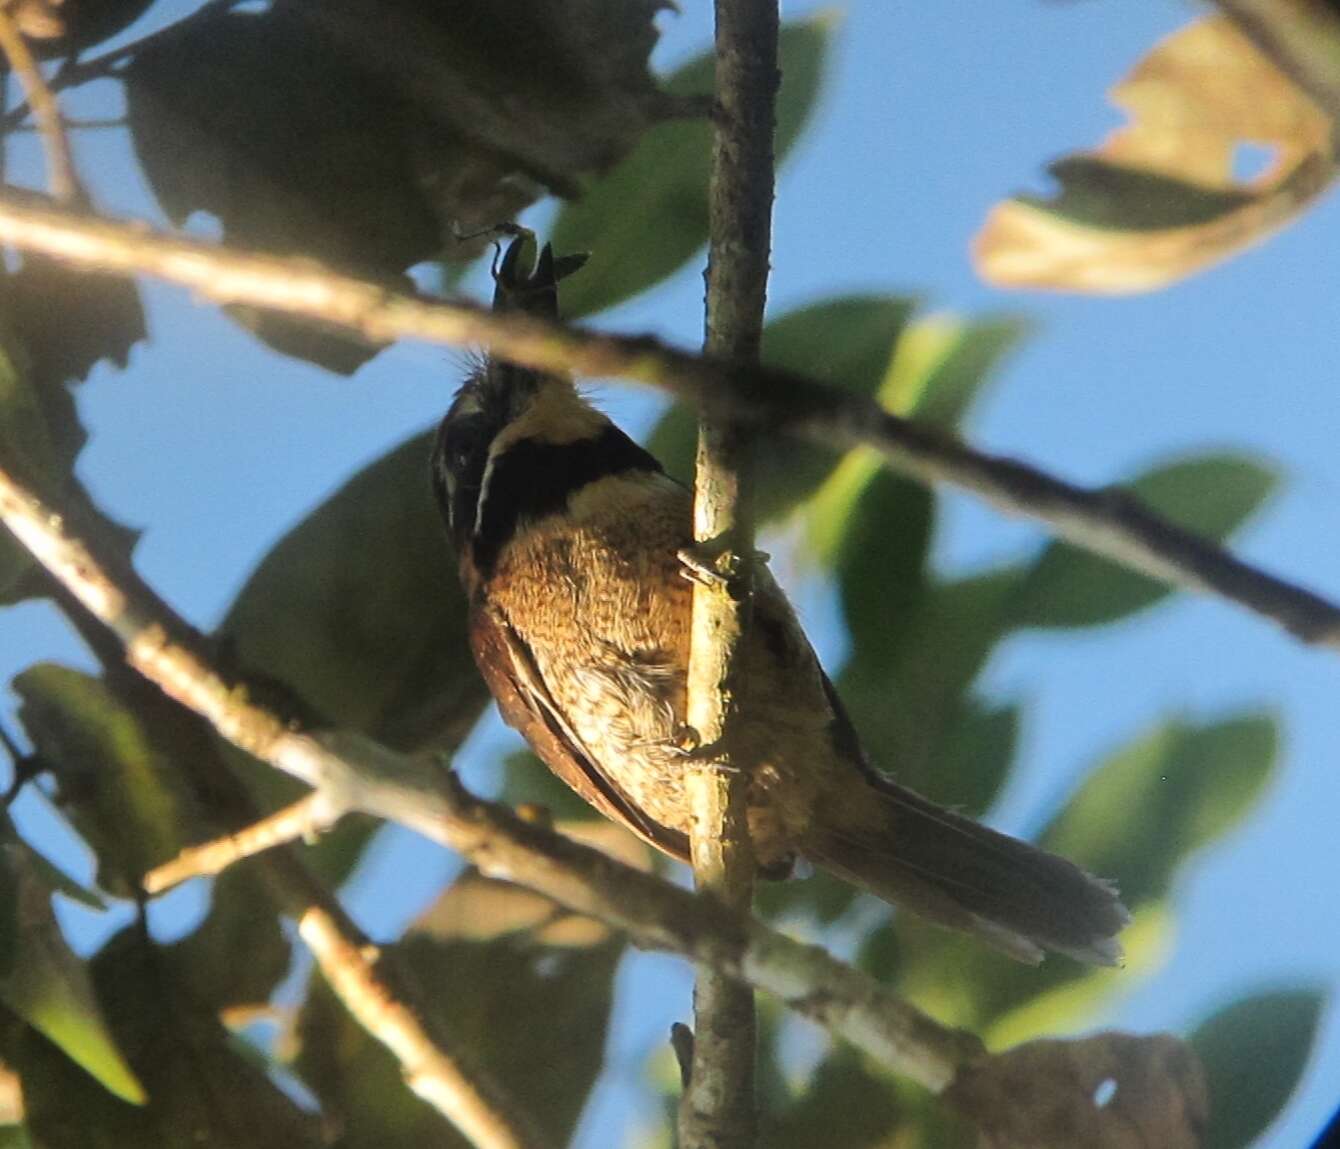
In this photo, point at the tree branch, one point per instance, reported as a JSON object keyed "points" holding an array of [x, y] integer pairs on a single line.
{"points": [[61, 173], [718, 1109], [358, 774], [75, 72], [470, 1103], [1107, 523], [1301, 38], [301, 819], [468, 1099]]}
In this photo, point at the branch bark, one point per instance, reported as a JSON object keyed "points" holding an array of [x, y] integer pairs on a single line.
{"points": [[1107, 523], [718, 1109], [356, 773], [463, 1094], [61, 173], [302, 819]]}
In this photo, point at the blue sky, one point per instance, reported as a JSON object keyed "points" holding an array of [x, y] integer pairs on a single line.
{"points": [[931, 113]]}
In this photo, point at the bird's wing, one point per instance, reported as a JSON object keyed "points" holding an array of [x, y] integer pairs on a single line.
{"points": [[527, 706]]}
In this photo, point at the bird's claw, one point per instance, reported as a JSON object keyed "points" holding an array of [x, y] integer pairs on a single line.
{"points": [[685, 741], [713, 564]]}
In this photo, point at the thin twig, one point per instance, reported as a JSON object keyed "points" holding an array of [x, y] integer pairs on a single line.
{"points": [[80, 124], [1105, 522], [75, 72], [11, 747], [358, 774], [436, 1076], [300, 820], [718, 1109], [25, 768], [61, 175]]}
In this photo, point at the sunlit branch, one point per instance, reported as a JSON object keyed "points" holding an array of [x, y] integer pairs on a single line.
{"points": [[718, 1109], [299, 821], [61, 175], [142, 622], [356, 773], [1105, 522]]}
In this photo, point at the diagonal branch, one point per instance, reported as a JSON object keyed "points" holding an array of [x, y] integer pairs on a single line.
{"points": [[1106, 523], [358, 774], [468, 1098], [301, 819], [718, 1108]]}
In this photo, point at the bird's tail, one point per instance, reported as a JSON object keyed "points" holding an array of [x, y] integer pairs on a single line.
{"points": [[1011, 895]]}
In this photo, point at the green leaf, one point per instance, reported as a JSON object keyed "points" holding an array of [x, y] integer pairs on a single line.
{"points": [[1212, 495], [528, 781], [943, 362], [124, 798], [978, 750], [26, 443], [880, 560], [1254, 1052], [843, 1106], [50, 989], [9, 910], [1191, 785], [332, 178], [905, 682], [26, 448], [140, 778], [56, 879], [846, 342], [198, 1089], [644, 219], [359, 609], [69, 321], [913, 717], [237, 956], [522, 958], [916, 648], [1067, 998], [459, 119]]}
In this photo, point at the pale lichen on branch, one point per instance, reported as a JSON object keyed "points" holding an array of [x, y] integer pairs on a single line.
{"points": [[718, 1107]]}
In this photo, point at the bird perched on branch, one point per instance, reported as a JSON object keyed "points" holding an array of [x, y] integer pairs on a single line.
{"points": [[569, 537]]}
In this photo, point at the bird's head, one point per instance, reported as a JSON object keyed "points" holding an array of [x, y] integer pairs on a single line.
{"points": [[504, 409]]}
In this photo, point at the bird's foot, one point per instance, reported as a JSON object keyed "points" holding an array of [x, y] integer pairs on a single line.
{"points": [[715, 564], [685, 742]]}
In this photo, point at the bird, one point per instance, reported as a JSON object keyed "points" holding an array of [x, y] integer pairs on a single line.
{"points": [[571, 543]]}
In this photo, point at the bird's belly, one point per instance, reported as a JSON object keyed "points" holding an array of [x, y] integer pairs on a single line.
{"points": [[605, 611]]}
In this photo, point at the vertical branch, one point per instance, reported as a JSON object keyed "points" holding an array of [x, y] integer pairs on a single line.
{"points": [[717, 1110]]}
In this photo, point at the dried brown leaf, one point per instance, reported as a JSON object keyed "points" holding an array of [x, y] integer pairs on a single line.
{"points": [[1110, 1091], [1159, 200]]}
